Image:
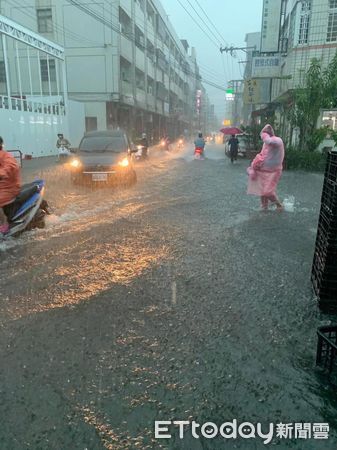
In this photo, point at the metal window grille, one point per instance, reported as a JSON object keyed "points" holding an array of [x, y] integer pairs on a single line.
{"points": [[306, 6], [2, 72], [44, 69], [332, 27], [44, 20], [304, 29]]}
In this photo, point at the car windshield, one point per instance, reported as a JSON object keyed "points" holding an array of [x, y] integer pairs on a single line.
{"points": [[115, 144]]}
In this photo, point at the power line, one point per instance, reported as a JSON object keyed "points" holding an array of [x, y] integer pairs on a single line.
{"points": [[212, 23], [209, 37], [212, 32]]}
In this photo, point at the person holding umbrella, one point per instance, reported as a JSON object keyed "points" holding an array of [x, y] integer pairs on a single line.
{"points": [[233, 145]]}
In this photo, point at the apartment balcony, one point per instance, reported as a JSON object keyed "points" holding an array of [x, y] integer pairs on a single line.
{"points": [[126, 87], [126, 48], [139, 13], [140, 59], [126, 5], [127, 92], [141, 97], [159, 107], [166, 108], [151, 102]]}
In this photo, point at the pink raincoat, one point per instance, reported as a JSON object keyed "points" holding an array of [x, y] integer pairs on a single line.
{"points": [[266, 168]]}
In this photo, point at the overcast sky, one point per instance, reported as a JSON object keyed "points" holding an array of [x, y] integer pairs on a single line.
{"points": [[233, 19]]}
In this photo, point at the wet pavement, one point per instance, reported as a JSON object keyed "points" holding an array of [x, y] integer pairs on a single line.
{"points": [[176, 299]]}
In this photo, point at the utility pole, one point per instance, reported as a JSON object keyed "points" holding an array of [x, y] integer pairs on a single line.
{"points": [[232, 49], [236, 85]]}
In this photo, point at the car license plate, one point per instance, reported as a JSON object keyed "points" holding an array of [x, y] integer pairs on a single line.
{"points": [[99, 177]]}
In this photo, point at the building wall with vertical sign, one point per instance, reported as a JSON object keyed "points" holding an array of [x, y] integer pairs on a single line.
{"points": [[271, 21]]}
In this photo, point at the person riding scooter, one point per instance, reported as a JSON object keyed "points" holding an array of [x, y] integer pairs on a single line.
{"points": [[199, 144], [63, 146], [165, 142], [145, 146], [10, 184]]}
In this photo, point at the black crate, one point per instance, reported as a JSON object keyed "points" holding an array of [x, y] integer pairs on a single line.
{"points": [[324, 266], [326, 237], [326, 356]]}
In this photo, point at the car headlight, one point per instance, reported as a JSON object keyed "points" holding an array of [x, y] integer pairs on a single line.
{"points": [[75, 163], [124, 162]]}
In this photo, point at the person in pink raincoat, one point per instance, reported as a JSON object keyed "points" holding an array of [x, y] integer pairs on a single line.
{"points": [[266, 169]]}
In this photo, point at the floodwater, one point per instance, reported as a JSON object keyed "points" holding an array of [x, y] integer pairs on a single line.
{"points": [[176, 299]]}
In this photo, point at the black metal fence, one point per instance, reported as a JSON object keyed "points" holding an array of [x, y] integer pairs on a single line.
{"points": [[324, 267]]}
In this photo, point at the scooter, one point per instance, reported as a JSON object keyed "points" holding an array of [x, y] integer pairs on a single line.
{"points": [[180, 145], [142, 153], [64, 154], [29, 210], [165, 144], [199, 153]]}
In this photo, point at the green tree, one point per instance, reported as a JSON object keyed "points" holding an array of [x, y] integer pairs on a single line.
{"points": [[307, 102]]}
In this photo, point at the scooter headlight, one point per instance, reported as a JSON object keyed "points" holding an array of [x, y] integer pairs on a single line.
{"points": [[75, 163], [124, 162], [139, 147]]}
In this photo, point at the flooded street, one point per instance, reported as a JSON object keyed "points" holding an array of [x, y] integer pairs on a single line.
{"points": [[176, 299]]}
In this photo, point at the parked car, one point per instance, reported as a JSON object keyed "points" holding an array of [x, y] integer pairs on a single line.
{"points": [[104, 157]]}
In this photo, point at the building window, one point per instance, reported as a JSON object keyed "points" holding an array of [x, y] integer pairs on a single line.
{"points": [[44, 20], [90, 124], [139, 38], [332, 22], [150, 14], [304, 22], [44, 70], [2, 72], [125, 22], [332, 27]]}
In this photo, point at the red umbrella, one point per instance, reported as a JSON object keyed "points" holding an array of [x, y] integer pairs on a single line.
{"points": [[231, 130]]}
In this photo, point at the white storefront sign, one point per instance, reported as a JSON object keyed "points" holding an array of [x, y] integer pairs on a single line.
{"points": [[266, 66]]}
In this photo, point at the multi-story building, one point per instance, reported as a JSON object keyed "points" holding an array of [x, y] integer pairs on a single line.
{"points": [[293, 33], [309, 30], [128, 67]]}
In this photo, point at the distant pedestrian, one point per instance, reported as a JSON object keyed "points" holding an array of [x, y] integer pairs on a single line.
{"points": [[233, 145], [266, 169]]}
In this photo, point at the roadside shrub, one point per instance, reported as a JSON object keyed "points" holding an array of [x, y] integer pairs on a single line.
{"points": [[304, 160]]}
